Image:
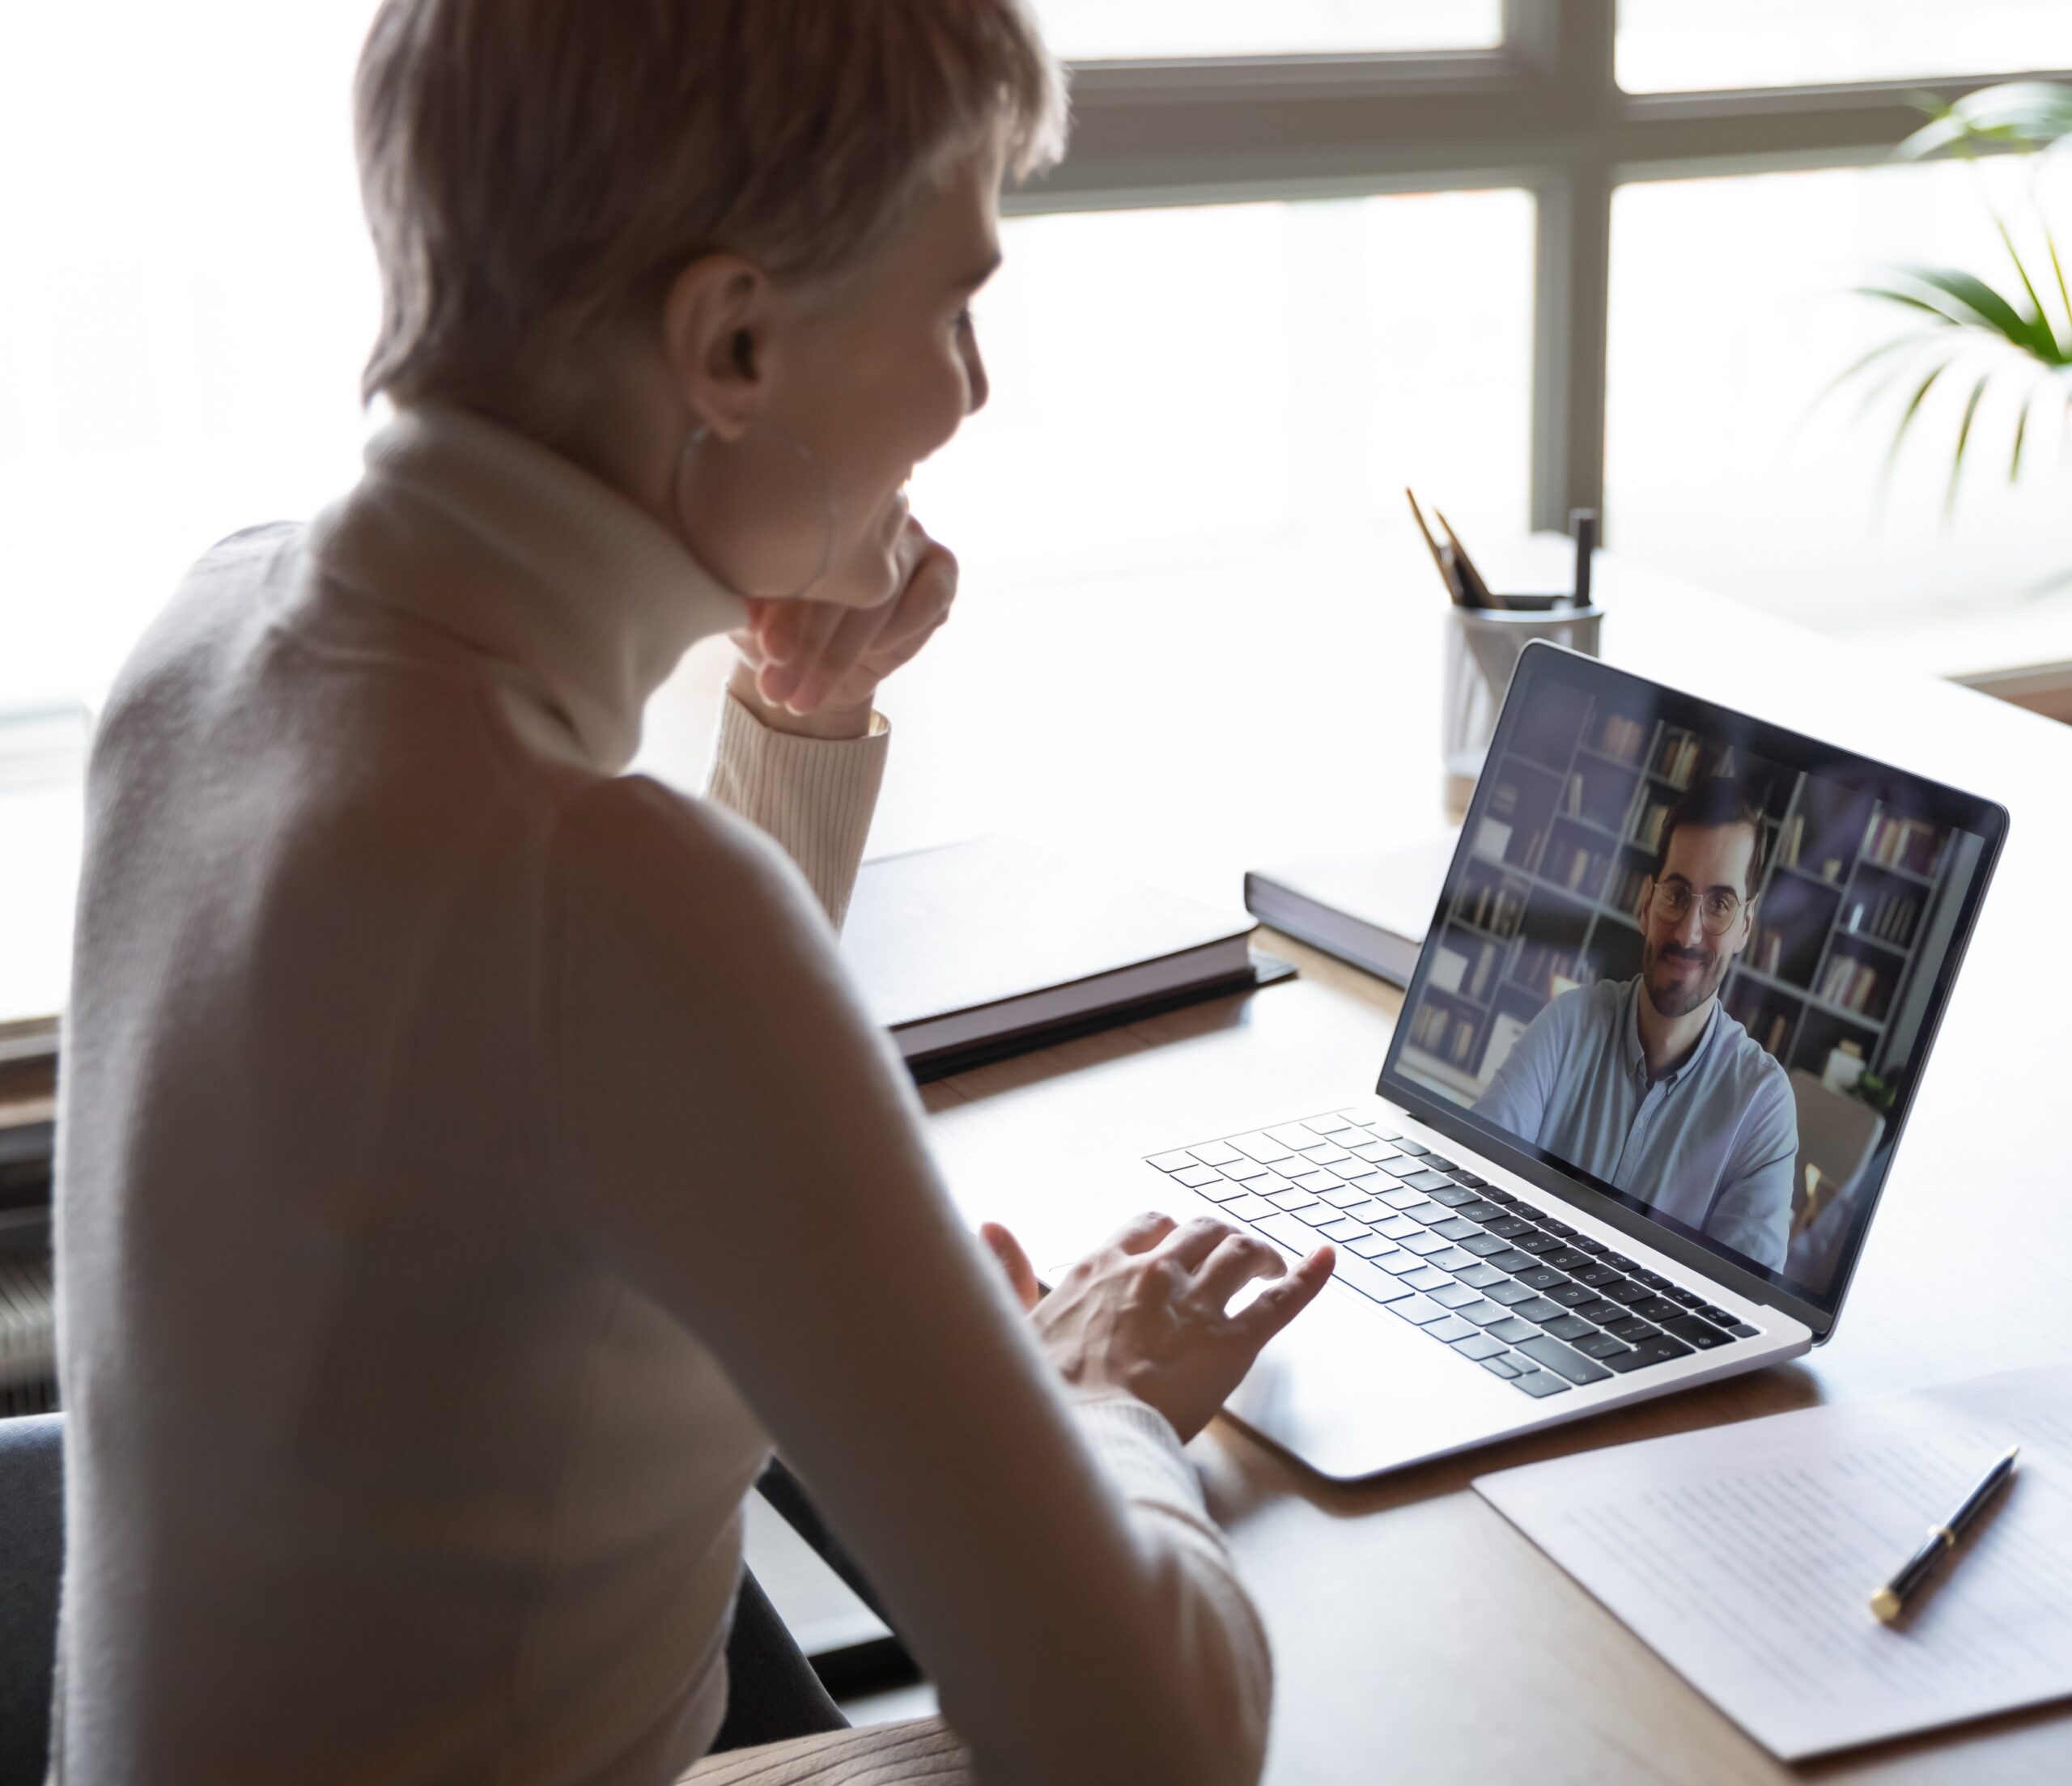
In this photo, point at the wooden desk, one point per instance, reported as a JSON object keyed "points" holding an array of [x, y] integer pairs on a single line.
{"points": [[1417, 1636]]}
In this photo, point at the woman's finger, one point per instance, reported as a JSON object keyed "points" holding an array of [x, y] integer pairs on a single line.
{"points": [[809, 630], [1238, 1259], [1191, 1243], [1141, 1233], [1279, 1302], [1014, 1261]]}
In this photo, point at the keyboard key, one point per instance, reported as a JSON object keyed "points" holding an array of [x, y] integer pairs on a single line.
{"points": [[1702, 1335], [1344, 1197], [1402, 1263], [1377, 1286], [1658, 1310], [1327, 1125], [1689, 1298], [1371, 1248], [1327, 1154], [1657, 1350], [1602, 1347], [1568, 1327], [1372, 1150], [1563, 1360], [1478, 1211], [1453, 1259], [1429, 1181], [1566, 1258], [1418, 1311], [1541, 1277], [1560, 1229], [1509, 1225], [1351, 1167], [1397, 1228], [1247, 1169], [1538, 1308], [1594, 1248], [1455, 1198], [1741, 1330], [1511, 1259], [1263, 1148], [1174, 1162], [1293, 1200], [1477, 1346], [1457, 1229], [1485, 1314], [1498, 1367], [1440, 1163], [1220, 1153], [1222, 1190], [1427, 1277], [1370, 1211], [1471, 1180], [1632, 1329], [1450, 1330], [1428, 1244], [1513, 1329], [1623, 1290], [1718, 1316], [1402, 1198], [1344, 1229], [1596, 1274], [1293, 1135], [1429, 1213], [1535, 1244], [1653, 1280], [1598, 1311], [1266, 1183], [1621, 1260], [1249, 1208], [1571, 1296], [1319, 1181], [1483, 1245], [1402, 1146], [1289, 1232], [1491, 1195], [1458, 1295], [1538, 1383], [1509, 1293], [1482, 1273]]}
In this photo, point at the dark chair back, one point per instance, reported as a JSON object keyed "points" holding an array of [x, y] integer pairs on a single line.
{"points": [[31, 1557]]}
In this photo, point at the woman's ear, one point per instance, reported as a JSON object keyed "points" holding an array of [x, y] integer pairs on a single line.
{"points": [[714, 322]]}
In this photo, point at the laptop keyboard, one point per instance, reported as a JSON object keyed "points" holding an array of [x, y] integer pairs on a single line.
{"points": [[1506, 1285]]}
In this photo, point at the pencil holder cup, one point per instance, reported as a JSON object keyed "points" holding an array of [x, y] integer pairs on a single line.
{"points": [[1482, 647]]}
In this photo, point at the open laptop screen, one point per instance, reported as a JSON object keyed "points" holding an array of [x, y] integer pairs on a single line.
{"points": [[1694, 963]]}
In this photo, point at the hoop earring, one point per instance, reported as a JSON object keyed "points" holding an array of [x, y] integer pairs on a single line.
{"points": [[799, 450]]}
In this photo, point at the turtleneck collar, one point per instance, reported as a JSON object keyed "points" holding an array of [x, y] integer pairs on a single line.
{"points": [[490, 536]]}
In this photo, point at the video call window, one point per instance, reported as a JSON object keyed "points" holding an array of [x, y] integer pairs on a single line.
{"points": [[1823, 974]]}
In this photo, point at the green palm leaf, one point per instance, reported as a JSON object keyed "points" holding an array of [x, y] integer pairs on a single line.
{"points": [[1906, 421], [1963, 440]]}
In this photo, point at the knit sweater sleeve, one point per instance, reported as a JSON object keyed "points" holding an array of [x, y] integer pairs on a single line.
{"points": [[743, 1146], [813, 796]]}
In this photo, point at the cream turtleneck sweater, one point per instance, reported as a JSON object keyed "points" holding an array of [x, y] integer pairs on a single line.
{"points": [[473, 1158]]}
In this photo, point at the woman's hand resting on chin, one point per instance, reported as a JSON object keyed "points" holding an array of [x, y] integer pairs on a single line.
{"points": [[813, 668]]}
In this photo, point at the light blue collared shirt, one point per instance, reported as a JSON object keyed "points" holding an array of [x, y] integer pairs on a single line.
{"points": [[1712, 1145]]}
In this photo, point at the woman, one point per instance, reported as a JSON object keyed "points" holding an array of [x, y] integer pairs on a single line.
{"points": [[473, 1157]]}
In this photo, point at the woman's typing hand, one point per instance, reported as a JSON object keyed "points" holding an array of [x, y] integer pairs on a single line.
{"points": [[813, 668], [1146, 1312]]}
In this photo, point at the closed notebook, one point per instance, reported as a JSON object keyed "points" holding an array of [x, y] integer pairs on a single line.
{"points": [[1370, 911], [994, 945]]}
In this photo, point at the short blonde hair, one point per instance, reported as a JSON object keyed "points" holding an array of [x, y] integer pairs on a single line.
{"points": [[532, 168]]}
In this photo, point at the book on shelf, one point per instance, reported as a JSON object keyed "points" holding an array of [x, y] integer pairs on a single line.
{"points": [[1850, 983], [1892, 842], [1622, 739], [980, 949], [1372, 911]]}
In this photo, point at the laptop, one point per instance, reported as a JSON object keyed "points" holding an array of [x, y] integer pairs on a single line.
{"points": [[1646, 1087]]}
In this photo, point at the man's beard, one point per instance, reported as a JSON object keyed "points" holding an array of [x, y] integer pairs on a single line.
{"points": [[1679, 999]]}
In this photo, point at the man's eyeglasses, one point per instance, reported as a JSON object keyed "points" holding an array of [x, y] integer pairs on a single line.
{"points": [[1718, 909]]}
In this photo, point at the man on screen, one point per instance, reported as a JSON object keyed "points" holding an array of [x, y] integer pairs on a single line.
{"points": [[1648, 1083]]}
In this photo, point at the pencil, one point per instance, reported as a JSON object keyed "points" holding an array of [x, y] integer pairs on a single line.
{"points": [[1478, 591], [1456, 588]]}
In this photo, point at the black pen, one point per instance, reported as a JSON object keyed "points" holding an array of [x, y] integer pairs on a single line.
{"points": [[1890, 1599]]}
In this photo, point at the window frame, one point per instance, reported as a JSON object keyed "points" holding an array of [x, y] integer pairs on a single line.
{"points": [[1543, 111]]}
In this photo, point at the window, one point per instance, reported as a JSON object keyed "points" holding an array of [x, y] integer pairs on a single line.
{"points": [[1170, 386], [1667, 45], [1732, 310], [1110, 29]]}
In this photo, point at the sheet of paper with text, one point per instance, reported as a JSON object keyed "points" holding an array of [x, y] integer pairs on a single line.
{"points": [[1746, 1556]]}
